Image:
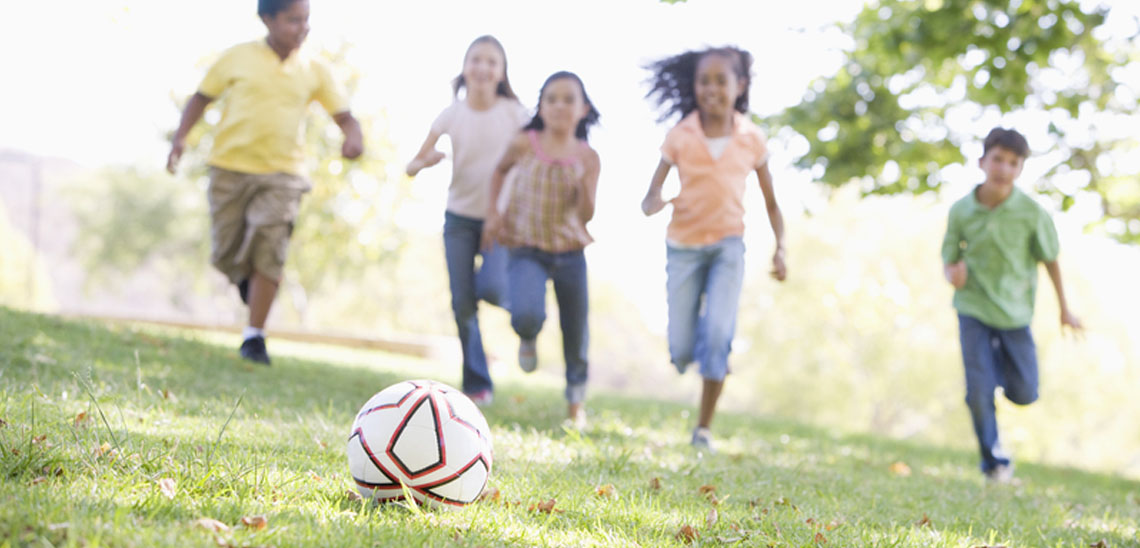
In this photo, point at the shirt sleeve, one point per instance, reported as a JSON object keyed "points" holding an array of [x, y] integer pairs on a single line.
{"points": [[218, 78], [760, 148], [329, 93], [442, 123], [952, 242], [670, 147], [1045, 246]]}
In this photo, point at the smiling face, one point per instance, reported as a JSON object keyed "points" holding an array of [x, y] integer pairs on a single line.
{"points": [[289, 27], [563, 105], [1001, 166], [717, 85], [484, 67]]}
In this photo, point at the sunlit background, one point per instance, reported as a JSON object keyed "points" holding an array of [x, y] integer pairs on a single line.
{"points": [[861, 337]]}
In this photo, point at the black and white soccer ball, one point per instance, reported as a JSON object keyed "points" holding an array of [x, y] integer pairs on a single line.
{"points": [[425, 435]]}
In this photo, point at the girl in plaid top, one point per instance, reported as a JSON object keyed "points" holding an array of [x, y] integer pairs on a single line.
{"points": [[544, 225]]}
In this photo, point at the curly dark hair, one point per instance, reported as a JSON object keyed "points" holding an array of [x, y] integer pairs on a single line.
{"points": [[270, 8], [590, 119], [672, 86]]}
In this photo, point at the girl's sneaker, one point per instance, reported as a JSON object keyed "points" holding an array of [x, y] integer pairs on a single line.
{"points": [[482, 398], [702, 440], [528, 355]]}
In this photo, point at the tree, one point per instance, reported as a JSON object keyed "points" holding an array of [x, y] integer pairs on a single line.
{"points": [[900, 108]]}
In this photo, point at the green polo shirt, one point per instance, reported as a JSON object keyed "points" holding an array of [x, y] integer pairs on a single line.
{"points": [[1002, 247]]}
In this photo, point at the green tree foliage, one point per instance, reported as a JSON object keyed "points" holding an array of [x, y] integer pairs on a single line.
{"points": [[919, 71], [134, 217]]}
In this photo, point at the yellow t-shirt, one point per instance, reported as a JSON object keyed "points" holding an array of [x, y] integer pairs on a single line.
{"points": [[266, 100]]}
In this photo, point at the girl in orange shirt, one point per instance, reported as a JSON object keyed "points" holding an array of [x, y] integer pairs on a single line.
{"points": [[714, 147]]}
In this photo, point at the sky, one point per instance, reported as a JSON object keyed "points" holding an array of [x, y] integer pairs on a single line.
{"points": [[95, 82]]}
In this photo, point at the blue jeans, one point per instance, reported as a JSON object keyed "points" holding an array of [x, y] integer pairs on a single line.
{"points": [[704, 292], [461, 236], [528, 270], [995, 357]]}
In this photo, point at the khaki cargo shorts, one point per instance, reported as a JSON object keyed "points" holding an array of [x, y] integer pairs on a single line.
{"points": [[251, 219]]}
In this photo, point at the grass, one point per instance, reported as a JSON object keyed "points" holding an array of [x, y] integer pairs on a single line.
{"points": [[95, 419]]}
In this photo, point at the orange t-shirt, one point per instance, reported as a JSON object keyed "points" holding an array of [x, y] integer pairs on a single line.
{"points": [[710, 205]]}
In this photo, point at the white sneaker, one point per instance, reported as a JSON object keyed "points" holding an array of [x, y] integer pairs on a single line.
{"points": [[1002, 473], [702, 440], [528, 355]]}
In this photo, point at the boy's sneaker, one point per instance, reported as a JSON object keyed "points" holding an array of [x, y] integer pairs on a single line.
{"points": [[253, 349], [482, 398], [243, 290], [702, 440], [528, 355], [1002, 473]]}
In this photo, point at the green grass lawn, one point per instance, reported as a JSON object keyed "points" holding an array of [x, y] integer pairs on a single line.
{"points": [[130, 437]]}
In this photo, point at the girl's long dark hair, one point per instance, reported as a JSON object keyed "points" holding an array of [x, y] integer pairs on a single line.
{"points": [[590, 119], [504, 87], [673, 84]]}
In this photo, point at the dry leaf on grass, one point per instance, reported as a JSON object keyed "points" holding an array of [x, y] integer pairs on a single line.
{"points": [[706, 489], [39, 480], [1099, 544], [490, 494], [833, 525], [169, 396], [606, 490], [687, 534], [712, 518], [167, 487], [924, 522], [546, 506], [256, 523], [900, 469], [517, 399], [352, 495], [655, 483], [212, 524], [3, 423], [80, 419], [39, 439], [313, 475], [820, 539]]}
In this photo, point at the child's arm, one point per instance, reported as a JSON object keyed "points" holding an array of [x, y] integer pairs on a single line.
{"points": [[190, 116], [353, 138], [1067, 317], [590, 186], [652, 203], [776, 219], [427, 156], [493, 223]]}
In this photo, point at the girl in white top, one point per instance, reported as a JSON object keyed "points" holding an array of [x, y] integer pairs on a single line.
{"points": [[480, 126]]}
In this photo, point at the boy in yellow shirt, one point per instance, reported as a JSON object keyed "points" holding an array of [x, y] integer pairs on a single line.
{"points": [[257, 162]]}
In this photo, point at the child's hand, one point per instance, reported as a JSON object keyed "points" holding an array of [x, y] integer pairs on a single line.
{"points": [[353, 146], [1071, 321], [652, 203], [176, 148], [492, 225], [779, 269], [956, 274]]}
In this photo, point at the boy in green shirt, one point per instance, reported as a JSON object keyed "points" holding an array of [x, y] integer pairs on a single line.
{"points": [[994, 239]]}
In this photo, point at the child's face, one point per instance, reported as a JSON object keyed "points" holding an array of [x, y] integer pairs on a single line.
{"points": [[562, 105], [289, 27], [717, 85], [484, 67], [1001, 165]]}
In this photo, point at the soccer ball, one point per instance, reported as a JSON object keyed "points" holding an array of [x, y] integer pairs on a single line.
{"points": [[425, 435]]}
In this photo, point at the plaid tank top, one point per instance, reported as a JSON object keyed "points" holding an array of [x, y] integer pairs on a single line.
{"points": [[542, 211]]}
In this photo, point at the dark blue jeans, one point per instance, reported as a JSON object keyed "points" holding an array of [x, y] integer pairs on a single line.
{"points": [[461, 236], [995, 357], [527, 272]]}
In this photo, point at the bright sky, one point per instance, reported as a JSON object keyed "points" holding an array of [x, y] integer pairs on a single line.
{"points": [[94, 80]]}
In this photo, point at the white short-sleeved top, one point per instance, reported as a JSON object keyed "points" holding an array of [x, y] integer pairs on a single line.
{"points": [[479, 138]]}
